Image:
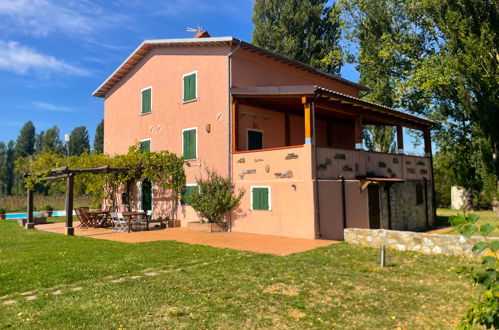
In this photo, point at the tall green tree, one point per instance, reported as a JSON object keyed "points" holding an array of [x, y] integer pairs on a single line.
{"points": [[386, 41], [10, 165], [99, 138], [307, 31], [25, 143], [39, 142], [79, 141], [51, 142]]}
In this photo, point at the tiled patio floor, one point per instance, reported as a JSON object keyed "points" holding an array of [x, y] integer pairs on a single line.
{"points": [[239, 241]]}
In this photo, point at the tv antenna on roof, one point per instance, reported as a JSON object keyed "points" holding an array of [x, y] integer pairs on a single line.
{"points": [[198, 30]]}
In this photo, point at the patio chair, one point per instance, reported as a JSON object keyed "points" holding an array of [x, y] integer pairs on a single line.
{"points": [[85, 222], [120, 224]]}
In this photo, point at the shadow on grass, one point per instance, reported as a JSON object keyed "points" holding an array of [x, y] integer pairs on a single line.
{"points": [[443, 221]]}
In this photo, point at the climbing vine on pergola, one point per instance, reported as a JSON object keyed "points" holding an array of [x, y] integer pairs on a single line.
{"points": [[102, 176]]}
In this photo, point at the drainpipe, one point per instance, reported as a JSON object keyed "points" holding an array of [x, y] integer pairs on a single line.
{"points": [[315, 167], [343, 202], [229, 120]]}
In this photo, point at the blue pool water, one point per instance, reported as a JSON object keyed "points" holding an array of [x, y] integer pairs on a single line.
{"points": [[25, 215]]}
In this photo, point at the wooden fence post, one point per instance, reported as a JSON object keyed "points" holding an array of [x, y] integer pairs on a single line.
{"points": [[69, 204], [30, 224]]}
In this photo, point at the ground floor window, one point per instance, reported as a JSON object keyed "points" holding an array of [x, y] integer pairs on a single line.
{"points": [[260, 198], [186, 193]]}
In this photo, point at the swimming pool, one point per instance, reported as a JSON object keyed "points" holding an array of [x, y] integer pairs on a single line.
{"points": [[25, 215]]}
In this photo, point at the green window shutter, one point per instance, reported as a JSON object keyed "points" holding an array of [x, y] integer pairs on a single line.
{"points": [[192, 87], [189, 147], [185, 147], [192, 143], [145, 146], [186, 88], [186, 194], [260, 198], [146, 101]]}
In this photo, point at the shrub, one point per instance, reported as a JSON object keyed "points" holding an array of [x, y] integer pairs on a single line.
{"points": [[485, 310], [49, 208], [2, 211], [215, 197]]}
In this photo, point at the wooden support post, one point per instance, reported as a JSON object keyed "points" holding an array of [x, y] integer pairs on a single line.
{"points": [[400, 139], [427, 143], [358, 133], [30, 224], [287, 130], [69, 204], [235, 126], [308, 119]]}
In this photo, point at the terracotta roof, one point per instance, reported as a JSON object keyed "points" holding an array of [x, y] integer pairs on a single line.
{"points": [[140, 52]]}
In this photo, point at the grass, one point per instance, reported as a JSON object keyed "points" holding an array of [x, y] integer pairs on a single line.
{"points": [[443, 216], [83, 282]]}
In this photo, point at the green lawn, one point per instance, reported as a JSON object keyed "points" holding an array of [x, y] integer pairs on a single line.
{"points": [[83, 282], [485, 217]]}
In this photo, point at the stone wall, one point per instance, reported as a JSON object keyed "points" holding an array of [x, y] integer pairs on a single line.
{"points": [[455, 245], [407, 212]]}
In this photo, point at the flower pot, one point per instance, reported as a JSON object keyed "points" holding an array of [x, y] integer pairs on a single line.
{"points": [[47, 214], [2, 216], [207, 227]]}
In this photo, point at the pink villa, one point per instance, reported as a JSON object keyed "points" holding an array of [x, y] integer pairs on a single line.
{"points": [[288, 134]]}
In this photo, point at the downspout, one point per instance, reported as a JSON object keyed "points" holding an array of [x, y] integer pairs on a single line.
{"points": [[316, 178], [343, 202], [229, 120], [434, 201], [426, 202]]}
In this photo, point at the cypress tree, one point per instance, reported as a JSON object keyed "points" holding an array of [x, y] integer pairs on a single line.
{"points": [[79, 141], [99, 138]]}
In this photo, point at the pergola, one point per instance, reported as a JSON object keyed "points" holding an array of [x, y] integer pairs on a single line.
{"points": [[68, 174]]}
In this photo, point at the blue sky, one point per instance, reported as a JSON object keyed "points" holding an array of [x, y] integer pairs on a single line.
{"points": [[54, 53]]}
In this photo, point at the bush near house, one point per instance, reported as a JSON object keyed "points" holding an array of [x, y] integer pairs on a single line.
{"points": [[215, 197]]}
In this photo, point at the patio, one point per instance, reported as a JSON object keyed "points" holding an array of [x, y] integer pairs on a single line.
{"points": [[276, 245]]}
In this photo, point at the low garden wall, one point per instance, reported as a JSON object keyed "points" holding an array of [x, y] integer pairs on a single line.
{"points": [[454, 245]]}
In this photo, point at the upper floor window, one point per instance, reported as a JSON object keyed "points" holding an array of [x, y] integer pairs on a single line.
{"points": [[146, 100], [189, 143], [190, 86], [145, 145]]}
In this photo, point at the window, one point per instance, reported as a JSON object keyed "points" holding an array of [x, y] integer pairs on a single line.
{"points": [[189, 143], [255, 140], [186, 193], [145, 145], [190, 86], [260, 198], [419, 194], [146, 100]]}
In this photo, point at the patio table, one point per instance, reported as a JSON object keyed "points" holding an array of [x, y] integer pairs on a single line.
{"points": [[102, 216], [130, 215]]}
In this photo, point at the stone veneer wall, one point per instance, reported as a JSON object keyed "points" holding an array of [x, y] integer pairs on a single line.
{"points": [[455, 245], [406, 213]]}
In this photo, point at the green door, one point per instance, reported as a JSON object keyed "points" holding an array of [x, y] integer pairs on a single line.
{"points": [[146, 195]]}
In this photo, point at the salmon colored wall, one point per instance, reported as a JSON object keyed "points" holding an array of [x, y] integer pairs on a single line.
{"points": [[162, 69], [271, 123], [331, 212], [292, 206], [251, 69]]}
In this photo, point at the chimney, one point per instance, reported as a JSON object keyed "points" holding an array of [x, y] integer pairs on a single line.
{"points": [[202, 34]]}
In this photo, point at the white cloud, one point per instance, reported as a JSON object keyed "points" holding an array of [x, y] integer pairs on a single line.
{"points": [[41, 17], [22, 59], [53, 107]]}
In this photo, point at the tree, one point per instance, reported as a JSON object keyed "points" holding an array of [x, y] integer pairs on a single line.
{"points": [[52, 142], [215, 197], [99, 138], [39, 142], [25, 144], [9, 164], [3, 168], [387, 41], [79, 141], [307, 31]]}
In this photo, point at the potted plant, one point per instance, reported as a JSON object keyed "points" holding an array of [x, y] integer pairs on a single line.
{"points": [[214, 198], [48, 211], [172, 223], [2, 214]]}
